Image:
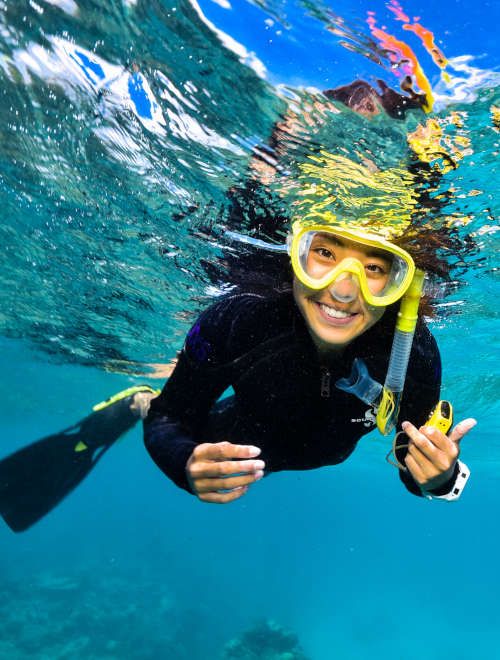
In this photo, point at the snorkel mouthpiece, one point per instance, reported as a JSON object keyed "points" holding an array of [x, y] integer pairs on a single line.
{"points": [[361, 384]]}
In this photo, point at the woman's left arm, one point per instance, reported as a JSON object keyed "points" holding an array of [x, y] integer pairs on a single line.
{"points": [[429, 458]]}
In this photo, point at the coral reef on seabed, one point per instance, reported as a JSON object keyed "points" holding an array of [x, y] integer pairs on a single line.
{"points": [[93, 616], [266, 640]]}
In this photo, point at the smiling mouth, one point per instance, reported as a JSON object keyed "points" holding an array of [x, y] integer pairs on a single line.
{"points": [[335, 315]]}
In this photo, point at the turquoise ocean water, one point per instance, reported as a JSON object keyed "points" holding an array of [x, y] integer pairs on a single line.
{"points": [[123, 125]]}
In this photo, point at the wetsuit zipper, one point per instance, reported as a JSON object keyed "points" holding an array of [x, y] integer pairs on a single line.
{"points": [[325, 382]]}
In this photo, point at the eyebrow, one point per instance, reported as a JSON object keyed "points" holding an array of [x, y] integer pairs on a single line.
{"points": [[329, 238], [380, 254], [370, 251]]}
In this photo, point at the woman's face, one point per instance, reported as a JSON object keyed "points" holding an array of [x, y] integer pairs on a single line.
{"points": [[334, 324]]}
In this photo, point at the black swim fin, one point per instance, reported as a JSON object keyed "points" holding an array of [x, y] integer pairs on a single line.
{"points": [[34, 479]]}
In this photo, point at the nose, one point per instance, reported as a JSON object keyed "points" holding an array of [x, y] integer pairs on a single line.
{"points": [[345, 288]]}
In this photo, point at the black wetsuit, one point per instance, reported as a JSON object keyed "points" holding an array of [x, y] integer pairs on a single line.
{"points": [[285, 401]]}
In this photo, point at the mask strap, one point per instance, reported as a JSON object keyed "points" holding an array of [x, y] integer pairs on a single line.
{"points": [[256, 242]]}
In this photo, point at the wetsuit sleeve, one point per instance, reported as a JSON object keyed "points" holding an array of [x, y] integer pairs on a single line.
{"points": [[174, 425], [421, 394]]}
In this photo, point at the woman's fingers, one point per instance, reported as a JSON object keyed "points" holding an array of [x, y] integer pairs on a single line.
{"points": [[222, 472], [415, 469], [223, 498], [224, 468], [220, 451], [462, 428], [211, 485], [432, 444], [426, 466], [431, 455]]}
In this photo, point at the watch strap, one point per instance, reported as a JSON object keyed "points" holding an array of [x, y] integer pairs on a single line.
{"points": [[457, 488]]}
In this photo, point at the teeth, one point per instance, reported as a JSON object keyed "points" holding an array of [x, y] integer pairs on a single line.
{"points": [[335, 313]]}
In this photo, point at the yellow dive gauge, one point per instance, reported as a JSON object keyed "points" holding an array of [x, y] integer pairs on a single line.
{"points": [[442, 417]]}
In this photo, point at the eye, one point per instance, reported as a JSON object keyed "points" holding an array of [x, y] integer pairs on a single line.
{"points": [[323, 252], [377, 269]]}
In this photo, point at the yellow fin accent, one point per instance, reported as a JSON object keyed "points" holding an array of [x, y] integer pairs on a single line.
{"points": [[80, 446], [123, 395]]}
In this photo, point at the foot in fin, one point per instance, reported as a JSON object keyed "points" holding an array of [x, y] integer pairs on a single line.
{"points": [[34, 479]]}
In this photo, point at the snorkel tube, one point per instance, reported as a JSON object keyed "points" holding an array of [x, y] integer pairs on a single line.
{"points": [[386, 399], [388, 408]]}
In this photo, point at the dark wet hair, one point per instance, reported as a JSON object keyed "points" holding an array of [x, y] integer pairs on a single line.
{"points": [[253, 270]]}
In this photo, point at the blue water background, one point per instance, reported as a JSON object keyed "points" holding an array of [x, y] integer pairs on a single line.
{"points": [[342, 556], [131, 567]]}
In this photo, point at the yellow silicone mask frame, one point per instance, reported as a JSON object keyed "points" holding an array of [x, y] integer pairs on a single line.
{"points": [[350, 265]]}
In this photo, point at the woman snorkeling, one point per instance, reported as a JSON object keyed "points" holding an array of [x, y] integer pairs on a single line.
{"points": [[285, 355], [286, 342]]}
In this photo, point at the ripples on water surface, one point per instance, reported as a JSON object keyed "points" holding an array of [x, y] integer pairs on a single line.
{"points": [[124, 124]]}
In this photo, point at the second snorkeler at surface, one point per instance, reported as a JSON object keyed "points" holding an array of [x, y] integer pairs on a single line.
{"points": [[282, 353]]}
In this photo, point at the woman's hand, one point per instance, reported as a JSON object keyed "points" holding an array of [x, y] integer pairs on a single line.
{"points": [[432, 455], [223, 472]]}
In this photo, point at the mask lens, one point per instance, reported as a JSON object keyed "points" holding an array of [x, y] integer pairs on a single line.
{"points": [[322, 254]]}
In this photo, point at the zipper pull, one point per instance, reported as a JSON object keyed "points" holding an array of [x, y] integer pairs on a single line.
{"points": [[325, 383]]}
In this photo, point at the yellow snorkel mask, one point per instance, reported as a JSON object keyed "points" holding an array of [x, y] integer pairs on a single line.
{"points": [[383, 273]]}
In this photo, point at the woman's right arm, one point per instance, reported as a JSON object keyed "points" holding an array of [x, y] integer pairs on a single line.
{"points": [[215, 472], [174, 427], [169, 445]]}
